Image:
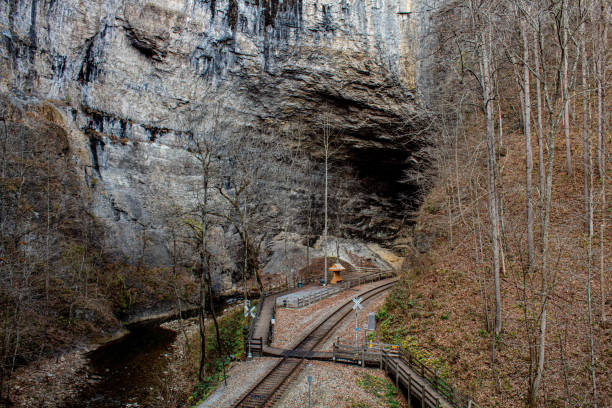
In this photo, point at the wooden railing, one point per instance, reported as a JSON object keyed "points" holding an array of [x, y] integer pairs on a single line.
{"points": [[370, 269], [390, 357], [306, 300], [446, 390], [371, 354], [255, 347], [270, 337], [414, 386], [260, 303]]}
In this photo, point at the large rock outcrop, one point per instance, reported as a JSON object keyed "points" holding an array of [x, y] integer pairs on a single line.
{"points": [[133, 79]]}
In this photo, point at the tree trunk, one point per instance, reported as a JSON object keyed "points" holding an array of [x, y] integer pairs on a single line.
{"points": [[534, 382], [202, 321], [564, 85], [536, 54], [492, 166], [601, 131], [528, 153], [588, 196], [213, 312], [604, 12], [585, 133]]}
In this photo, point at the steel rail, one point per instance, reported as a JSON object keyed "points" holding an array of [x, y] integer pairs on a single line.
{"points": [[262, 392]]}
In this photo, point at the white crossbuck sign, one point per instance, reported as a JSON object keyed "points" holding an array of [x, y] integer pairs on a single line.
{"points": [[357, 304], [248, 310]]}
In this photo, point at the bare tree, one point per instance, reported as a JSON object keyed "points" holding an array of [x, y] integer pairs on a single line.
{"points": [[203, 150], [327, 151], [481, 20], [603, 14], [565, 10], [588, 189], [249, 166], [527, 131], [556, 109]]}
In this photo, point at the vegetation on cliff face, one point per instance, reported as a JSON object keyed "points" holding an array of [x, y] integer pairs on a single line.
{"points": [[57, 286], [510, 287], [49, 286]]}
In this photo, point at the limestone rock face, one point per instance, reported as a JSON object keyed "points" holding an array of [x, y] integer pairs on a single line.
{"points": [[135, 78]]}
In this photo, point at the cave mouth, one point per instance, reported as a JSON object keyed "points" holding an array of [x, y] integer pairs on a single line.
{"points": [[386, 198], [381, 170]]}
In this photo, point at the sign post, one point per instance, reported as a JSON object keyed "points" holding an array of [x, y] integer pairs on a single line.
{"points": [[248, 311], [309, 385], [356, 307]]}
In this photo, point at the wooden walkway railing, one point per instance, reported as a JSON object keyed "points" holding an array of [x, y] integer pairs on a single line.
{"points": [[364, 355], [255, 347], [419, 380], [302, 301], [446, 390], [415, 387]]}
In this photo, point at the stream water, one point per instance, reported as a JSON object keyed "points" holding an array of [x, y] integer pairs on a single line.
{"points": [[125, 373]]}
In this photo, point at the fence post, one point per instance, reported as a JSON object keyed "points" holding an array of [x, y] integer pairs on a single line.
{"points": [[363, 357], [423, 396], [436, 379], [409, 386], [397, 377]]}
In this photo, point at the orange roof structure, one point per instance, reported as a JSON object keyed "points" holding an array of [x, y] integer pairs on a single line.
{"points": [[336, 268]]}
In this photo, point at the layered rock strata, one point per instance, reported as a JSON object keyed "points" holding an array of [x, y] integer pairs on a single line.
{"points": [[134, 80]]}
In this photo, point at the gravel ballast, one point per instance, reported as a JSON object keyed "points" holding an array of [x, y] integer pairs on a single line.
{"points": [[335, 385], [241, 376]]}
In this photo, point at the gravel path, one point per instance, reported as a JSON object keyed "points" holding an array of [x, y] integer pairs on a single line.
{"points": [[241, 376], [336, 385]]}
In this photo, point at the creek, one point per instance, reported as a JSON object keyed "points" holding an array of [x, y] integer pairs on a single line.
{"points": [[128, 372], [125, 373]]}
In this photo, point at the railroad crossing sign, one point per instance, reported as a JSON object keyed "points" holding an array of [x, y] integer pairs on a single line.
{"points": [[356, 307], [248, 310]]}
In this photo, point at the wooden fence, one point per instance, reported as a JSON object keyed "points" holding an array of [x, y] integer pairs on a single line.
{"points": [[446, 390], [260, 303], [270, 337], [415, 387], [255, 347], [419, 379], [302, 301], [370, 354]]}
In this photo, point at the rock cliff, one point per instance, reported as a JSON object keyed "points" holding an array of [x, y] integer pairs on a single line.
{"points": [[133, 79]]}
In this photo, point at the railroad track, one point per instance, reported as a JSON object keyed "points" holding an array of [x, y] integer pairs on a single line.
{"points": [[271, 386]]}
